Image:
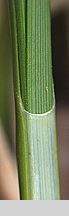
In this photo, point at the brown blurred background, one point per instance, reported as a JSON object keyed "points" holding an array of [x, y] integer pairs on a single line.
{"points": [[60, 53]]}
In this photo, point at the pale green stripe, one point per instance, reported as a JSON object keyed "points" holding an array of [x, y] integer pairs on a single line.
{"points": [[42, 160]]}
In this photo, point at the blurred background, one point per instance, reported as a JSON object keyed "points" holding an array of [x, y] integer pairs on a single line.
{"points": [[60, 51]]}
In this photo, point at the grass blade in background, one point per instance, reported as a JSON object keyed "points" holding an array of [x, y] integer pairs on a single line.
{"points": [[5, 96], [33, 84]]}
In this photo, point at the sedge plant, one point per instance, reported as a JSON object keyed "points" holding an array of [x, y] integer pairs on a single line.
{"points": [[34, 99]]}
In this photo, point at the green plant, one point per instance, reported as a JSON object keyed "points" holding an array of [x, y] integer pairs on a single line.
{"points": [[34, 96]]}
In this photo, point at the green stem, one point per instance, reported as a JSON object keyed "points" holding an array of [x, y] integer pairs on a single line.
{"points": [[39, 67], [33, 85]]}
